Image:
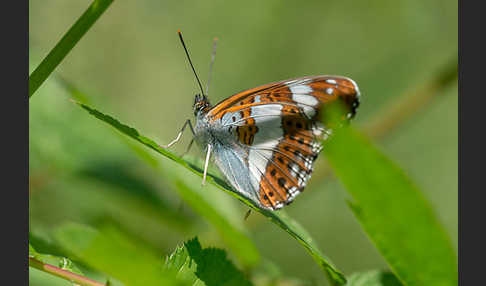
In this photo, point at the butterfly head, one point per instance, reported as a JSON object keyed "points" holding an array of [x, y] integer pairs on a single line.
{"points": [[201, 104]]}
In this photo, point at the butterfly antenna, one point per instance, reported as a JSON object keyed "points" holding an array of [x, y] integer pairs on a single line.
{"points": [[190, 62], [213, 56]]}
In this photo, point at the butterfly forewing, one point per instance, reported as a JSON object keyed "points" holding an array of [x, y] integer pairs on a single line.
{"points": [[279, 127], [324, 89]]}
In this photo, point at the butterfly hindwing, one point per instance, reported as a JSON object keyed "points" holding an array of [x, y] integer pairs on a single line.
{"points": [[288, 166]]}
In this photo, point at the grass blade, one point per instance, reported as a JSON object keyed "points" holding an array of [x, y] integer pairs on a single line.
{"points": [[65, 45], [393, 212], [277, 217]]}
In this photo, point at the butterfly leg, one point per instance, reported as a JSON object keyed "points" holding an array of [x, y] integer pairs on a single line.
{"points": [[188, 147], [247, 214], [188, 122], [206, 163]]}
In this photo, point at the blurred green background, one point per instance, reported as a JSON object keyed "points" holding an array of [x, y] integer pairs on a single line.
{"points": [[131, 65]]}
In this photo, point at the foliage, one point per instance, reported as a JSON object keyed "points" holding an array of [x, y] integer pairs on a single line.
{"points": [[65, 45], [393, 212], [373, 278], [110, 251], [279, 218], [61, 262], [103, 208], [208, 266]]}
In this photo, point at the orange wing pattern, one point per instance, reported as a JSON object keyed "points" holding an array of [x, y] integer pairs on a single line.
{"points": [[279, 124], [325, 89], [290, 165]]}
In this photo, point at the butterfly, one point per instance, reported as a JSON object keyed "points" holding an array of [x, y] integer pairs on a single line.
{"points": [[265, 140]]}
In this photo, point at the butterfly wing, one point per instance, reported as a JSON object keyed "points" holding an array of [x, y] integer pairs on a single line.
{"points": [[277, 132], [325, 89]]}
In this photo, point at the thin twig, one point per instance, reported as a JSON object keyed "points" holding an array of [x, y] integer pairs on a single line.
{"points": [[64, 274]]}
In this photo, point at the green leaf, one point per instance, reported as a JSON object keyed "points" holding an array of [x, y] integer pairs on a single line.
{"points": [[206, 205], [113, 253], [209, 266], [40, 242], [239, 242], [373, 278], [213, 268], [65, 45], [393, 212], [32, 251], [278, 217], [179, 263]]}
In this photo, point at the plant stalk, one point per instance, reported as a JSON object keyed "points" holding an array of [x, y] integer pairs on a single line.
{"points": [[64, 274]]}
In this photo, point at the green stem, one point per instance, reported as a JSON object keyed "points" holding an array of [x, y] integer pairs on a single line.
{"points": [[65, 45], [64, 274]]}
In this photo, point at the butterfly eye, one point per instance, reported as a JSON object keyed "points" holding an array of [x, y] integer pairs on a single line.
{"points": [[200, 103]]}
